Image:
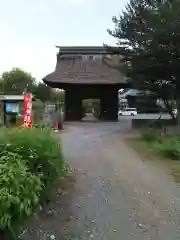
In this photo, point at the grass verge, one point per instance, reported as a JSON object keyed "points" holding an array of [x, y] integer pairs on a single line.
{"points": [[161, 149]]}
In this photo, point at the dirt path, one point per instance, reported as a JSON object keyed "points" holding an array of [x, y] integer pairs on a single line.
{"points": [[115, 195]]}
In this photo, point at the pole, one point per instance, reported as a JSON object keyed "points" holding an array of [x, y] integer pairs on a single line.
{"points": [[26, 88]]}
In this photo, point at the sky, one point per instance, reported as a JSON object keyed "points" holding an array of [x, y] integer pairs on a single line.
{"points": [[30, 30]]}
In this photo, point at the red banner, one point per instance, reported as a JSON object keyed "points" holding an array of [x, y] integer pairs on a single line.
{"points": [[27, 114]]}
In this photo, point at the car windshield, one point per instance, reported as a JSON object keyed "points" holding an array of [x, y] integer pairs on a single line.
{"points": [[129, 109]]}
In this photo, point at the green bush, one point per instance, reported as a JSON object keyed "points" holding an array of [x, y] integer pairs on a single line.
{"points": [[19, 191], [42, 126], [169, 148], [150, 135], [39, 149], [157, 124], [31, 162]]}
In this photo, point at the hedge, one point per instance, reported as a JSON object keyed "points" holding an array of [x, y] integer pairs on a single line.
{"points": [[31, 162]]}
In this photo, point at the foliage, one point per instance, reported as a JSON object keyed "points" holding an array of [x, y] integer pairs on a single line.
{"points": [[17, 81], [48, 94], [31, 162], [96, 104], [166, 146], [19, 190], [38, 148], [57, 95], [43, 92], [148, 37], [87, 105], [150, 134], [40, 126], [37, 111], [91, 105], [169, 149]]}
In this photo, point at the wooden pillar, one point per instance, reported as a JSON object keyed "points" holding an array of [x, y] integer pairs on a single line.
{"points": [[109, 104], [113, 105], [72, 105]]}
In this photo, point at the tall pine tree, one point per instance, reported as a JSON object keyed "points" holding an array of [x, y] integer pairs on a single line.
{"points": [[148, 34]]}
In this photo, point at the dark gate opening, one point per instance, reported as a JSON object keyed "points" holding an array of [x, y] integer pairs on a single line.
{"points": [[91, 109]]}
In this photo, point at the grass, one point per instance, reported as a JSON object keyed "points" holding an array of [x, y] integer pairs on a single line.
{"points": [[163, 150]]}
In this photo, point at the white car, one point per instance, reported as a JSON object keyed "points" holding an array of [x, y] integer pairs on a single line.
{"points": [[128, 112]]}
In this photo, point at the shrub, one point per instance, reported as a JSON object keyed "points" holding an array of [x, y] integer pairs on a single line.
{"points": [[43, 126], [150, 135], [158, 124], [40, 151], [31, 162], [19, 191], [169, 148]]}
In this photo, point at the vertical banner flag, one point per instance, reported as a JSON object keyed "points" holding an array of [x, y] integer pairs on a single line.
{"points": [[27, 114]]}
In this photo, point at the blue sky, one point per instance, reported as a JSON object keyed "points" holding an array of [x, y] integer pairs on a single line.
{"points": [[30, 30]]}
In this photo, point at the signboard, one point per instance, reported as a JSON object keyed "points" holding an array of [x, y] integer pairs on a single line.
{"points": [[12, 107], [27, 114]]}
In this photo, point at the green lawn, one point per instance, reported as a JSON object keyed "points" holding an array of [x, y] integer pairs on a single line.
{"points": [[161, 150]]}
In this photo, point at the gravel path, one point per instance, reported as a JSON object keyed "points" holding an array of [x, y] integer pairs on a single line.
{"points": [[114, 195]]}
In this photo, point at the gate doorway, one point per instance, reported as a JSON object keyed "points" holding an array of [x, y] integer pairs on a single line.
{"points": [[91, 109]]}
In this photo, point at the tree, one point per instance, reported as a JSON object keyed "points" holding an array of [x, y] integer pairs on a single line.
{"points": [[43, 92], [148, 34], [17, 81], [58, 95]]}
